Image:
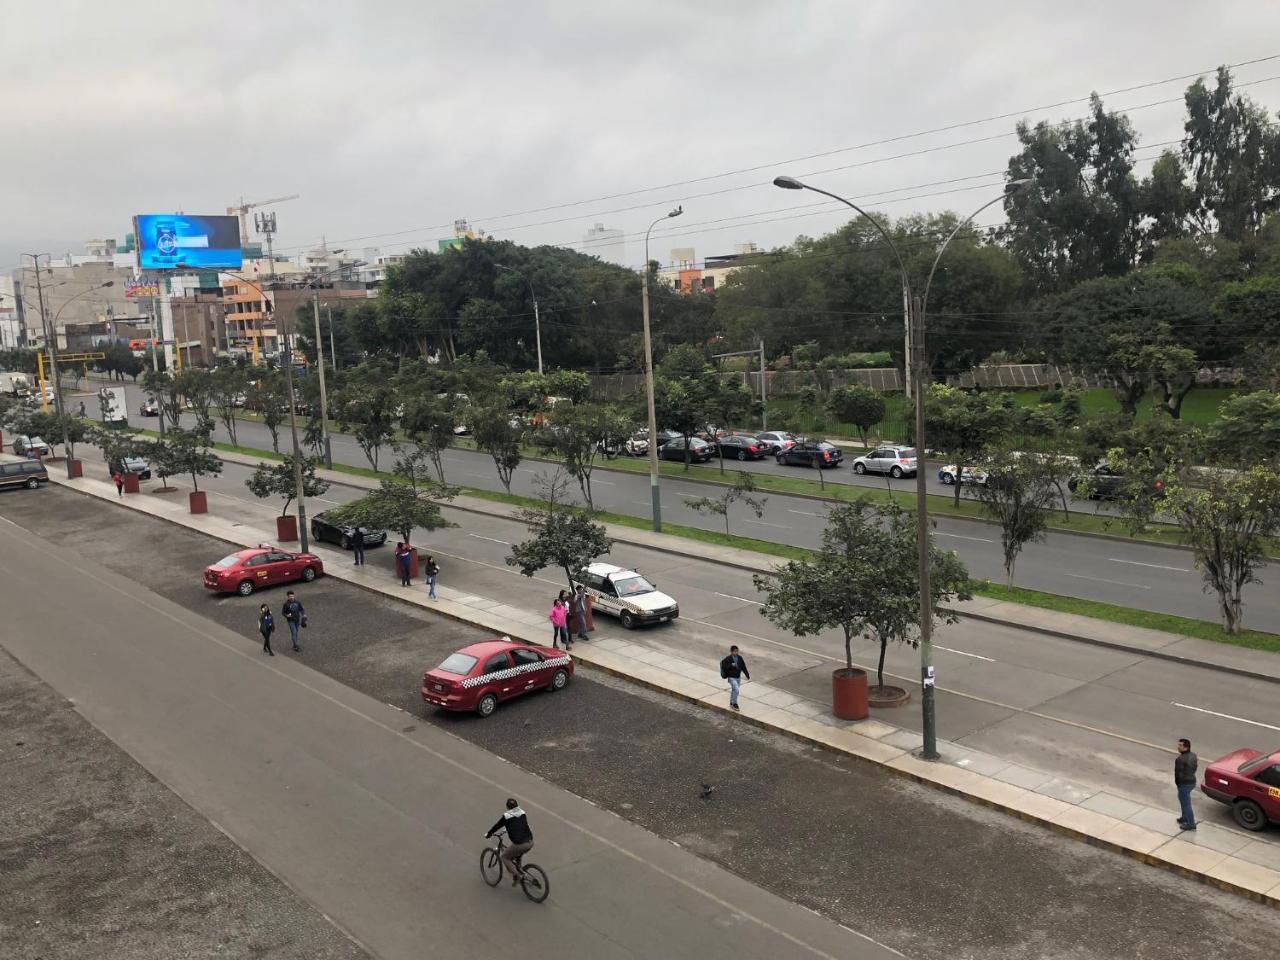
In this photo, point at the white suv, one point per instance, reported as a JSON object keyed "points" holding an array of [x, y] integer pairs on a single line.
{"points": [[627, 595], [895, 461]]}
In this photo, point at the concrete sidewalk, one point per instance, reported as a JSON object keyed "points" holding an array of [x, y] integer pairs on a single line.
{"points": [[1232, 859]]}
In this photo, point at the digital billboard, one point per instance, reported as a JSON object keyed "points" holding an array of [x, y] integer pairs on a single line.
{"points": [[178, 241]]}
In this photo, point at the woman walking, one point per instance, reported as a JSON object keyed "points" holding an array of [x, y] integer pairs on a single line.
{"points": [[266, 626], [559, 624], [402, 563], [432, 570]]}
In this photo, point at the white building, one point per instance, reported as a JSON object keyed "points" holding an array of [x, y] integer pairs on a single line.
{"points": [[605, 243]]}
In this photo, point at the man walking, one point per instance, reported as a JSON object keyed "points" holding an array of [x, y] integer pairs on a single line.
{"points": [[431, 570], [294, 616], [734, 668], [357, 546], [1184, 778], [266, 626], [580, 611]]}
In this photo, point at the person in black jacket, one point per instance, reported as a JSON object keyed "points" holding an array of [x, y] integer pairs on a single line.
{"points": [[520, 838], [294, 615], [1184, 778], [266, 626], [734, 668], [357, 546]]}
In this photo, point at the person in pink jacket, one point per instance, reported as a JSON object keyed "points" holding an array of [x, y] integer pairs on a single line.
{"points": [[559, 618]]}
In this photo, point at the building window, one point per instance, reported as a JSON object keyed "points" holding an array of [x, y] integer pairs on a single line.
{"points": [[708, 284]]}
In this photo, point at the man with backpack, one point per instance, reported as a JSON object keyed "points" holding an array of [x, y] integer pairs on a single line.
{"points": [[294, 616], [734, 669]]}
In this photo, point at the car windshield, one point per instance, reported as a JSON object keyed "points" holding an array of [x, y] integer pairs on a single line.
{"points": [[457, 663], [230, 561], [633, 586], [1257, 763]]}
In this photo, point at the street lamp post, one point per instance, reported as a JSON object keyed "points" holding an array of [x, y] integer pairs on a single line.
{"points": [[324, 396], [648, 377], [537, 320], [917, 307]]}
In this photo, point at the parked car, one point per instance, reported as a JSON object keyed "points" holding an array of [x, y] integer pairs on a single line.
{"points": [[626, 595], [248, 570], [699, 450], [637, 445], [809, 453], [776, 441], [149, 408], [480, 676], [21, 472], [1248, 781], [31, 446], [1105, 483], [130, 465], [322, 530], [895, 461], [665, 437], [740, 446], [966, 474]]}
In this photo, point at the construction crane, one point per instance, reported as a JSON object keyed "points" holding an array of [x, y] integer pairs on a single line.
{"points": [[244, 208]]}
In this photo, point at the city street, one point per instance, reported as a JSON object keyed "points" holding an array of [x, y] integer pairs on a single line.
{"points": [[1126, 573], [370, 812]]}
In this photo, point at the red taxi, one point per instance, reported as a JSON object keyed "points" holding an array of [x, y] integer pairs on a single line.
{"points": [[1248, 781], [481, 676], [262, 566]]}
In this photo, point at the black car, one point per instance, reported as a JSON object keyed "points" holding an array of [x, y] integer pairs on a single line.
{"points": [[341, 534], [810, 454], [741, 447], [699, 450], [1107, 484]]}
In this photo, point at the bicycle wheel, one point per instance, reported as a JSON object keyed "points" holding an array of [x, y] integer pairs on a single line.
{"points": [[491, 866], [534, 883]]}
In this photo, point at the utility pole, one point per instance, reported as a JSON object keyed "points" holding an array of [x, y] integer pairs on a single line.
{"points": [[928, 711], [324, 397], [648, 378], [764, 393], [908, 358], [51, 344], [155, 343], [297, 449], [333, 354]]}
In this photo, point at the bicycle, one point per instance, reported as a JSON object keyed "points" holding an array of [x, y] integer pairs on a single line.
{"points": [[533, 879]]}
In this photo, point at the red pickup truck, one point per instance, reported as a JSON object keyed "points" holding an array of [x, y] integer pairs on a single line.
{"points": [[1248, 781]]}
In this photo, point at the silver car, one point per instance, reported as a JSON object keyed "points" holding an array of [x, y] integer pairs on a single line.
{"points": [[895, 461]]}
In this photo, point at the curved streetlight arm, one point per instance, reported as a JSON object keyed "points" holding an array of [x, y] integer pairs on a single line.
{"points": [[924, 300], [83, 293]]}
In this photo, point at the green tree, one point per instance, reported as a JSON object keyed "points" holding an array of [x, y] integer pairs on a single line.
{"points": [[728, 402], [396, 505], [562, 536], [1019, 493], [742, 490], [1248, 428], [964, 424], [277, 480], [182, 452], [578, 433], [863, 580], [166, 393], [197, 387], [269, 396], [859, 405], [498, 433], [431, 420], [367, 411], [228, 388]]}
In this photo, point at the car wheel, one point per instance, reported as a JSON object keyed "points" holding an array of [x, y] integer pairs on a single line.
{"points": [[308, 574], [245, 588], [315, 533], [628, 620], [782, 462], [1249, 815], [742, 454], [345, 542], [32, 483], [896, 473], [859, 468], [947, 479], [560, 680], [488, 703]]}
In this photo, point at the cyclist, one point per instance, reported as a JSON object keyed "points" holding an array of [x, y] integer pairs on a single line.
{"points": [[516, 822]]}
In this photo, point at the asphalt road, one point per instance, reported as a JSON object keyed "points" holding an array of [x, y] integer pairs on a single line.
{"points": [[1128, 573], [1101, 716], [371, 813]]}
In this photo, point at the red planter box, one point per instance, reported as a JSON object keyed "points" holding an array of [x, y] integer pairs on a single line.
{"points": [[287, 527], [131, 483], [198, 501], [75, 468], [849, 694], [413, 565]]}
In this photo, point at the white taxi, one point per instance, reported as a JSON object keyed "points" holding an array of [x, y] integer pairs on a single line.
{"points": [[627, 595]]}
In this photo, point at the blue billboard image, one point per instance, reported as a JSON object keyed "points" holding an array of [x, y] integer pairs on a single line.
{"points": [[179, 241]]}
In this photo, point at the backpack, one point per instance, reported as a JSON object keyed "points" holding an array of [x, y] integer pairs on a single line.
{"points": [[724, 669]]}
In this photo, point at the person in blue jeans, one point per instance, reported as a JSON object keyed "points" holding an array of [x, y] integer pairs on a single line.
{"points": [[431, 570], [293, 615], [1184, 778], [734, 668]]}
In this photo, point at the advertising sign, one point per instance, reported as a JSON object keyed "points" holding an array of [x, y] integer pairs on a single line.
{"points": [[178, 241], [140, 289]]}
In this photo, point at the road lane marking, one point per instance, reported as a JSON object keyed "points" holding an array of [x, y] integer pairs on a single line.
{"points": [[809, 513], [761, 523], [1224, 716], [961, 536], [237, 650], [730, 596], [688, 496], [1154, 566], [976, 656], [603, 483], [505, 543], [1118, 583]]}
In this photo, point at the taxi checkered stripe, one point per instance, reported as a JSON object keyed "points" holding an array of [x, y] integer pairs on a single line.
{"points": [[514, 672]]}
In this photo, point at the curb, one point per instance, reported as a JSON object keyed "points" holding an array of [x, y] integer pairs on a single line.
{"points": [[1150, 860]]}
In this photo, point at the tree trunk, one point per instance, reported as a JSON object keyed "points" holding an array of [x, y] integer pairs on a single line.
{"points": [[959, 474], [848, 649], [1230, 606], [884, 647], [1009, 564]]}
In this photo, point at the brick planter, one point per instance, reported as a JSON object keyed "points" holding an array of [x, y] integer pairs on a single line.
{"points": [[75, 468], [287, 527], [131, 483], [198, 501]]}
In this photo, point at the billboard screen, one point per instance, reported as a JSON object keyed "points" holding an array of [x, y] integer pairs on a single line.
{"points": [[177, 241]]}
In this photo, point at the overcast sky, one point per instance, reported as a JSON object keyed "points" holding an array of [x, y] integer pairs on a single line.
{"points": [[392, 118]]}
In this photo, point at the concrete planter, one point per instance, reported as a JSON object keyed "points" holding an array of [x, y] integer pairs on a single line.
{"points": [[287, 528], [131, 483], [198, 501], [888, 696], [849, 694]]}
